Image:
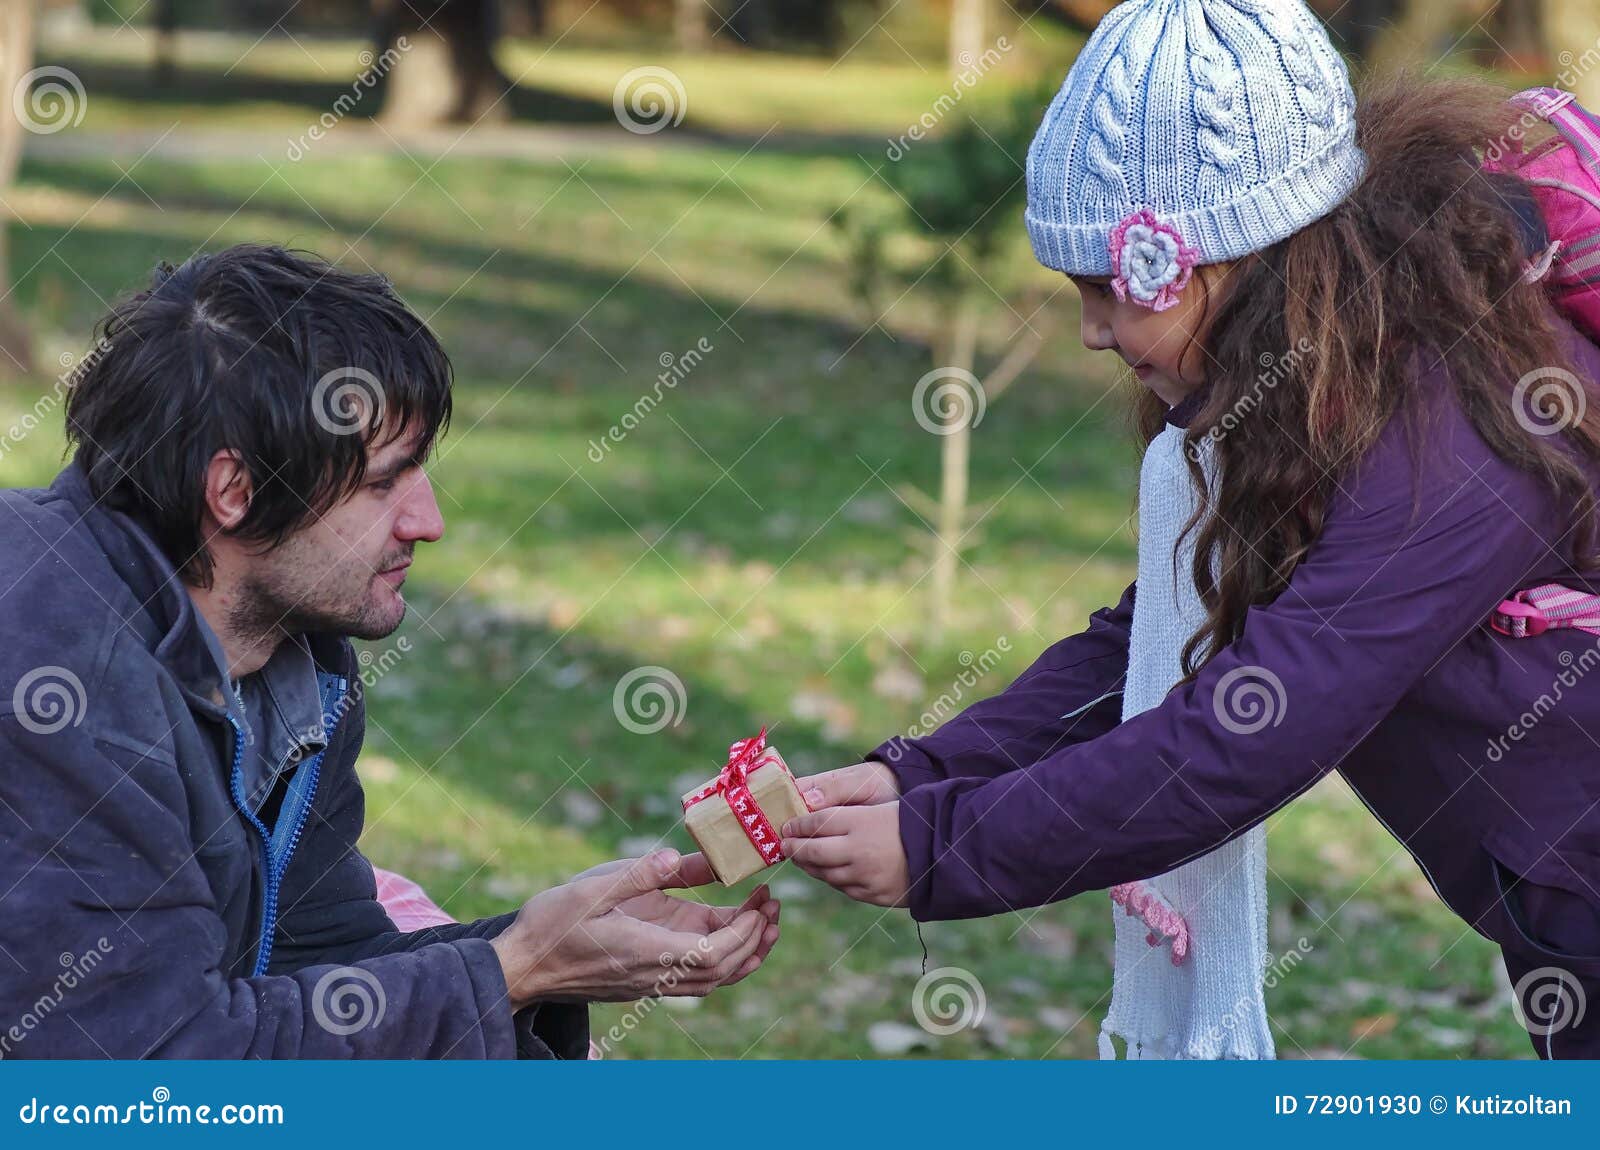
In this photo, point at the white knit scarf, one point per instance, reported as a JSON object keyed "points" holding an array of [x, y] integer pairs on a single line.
{"points": [[1211, 1004]]}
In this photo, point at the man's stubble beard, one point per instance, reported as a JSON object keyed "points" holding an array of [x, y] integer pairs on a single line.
{"points": [[290, 599]]}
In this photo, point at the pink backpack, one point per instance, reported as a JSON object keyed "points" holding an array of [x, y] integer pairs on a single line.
{"points": [[1564, 177], [1564, 174]]}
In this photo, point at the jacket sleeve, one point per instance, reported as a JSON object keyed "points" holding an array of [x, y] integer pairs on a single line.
{"points": [[329, 911], [114, 947], [1385, 592], [1072, 693]]}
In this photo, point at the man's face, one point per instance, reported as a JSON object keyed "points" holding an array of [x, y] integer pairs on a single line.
{"points": [[342, 572]]}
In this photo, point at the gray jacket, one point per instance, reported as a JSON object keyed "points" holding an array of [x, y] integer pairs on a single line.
{"points": [[144, 910]]}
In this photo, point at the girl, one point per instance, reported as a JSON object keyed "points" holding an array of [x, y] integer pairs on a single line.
{"points": [[1386, 431]]}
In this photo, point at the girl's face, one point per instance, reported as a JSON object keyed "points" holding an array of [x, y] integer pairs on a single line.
{"points": [[1164, 348]]}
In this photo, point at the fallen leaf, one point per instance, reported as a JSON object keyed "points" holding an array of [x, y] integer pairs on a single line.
{"points": [[1373, 1026], [896, 1038], [898, 682], [581, 808], [1049, 939]]}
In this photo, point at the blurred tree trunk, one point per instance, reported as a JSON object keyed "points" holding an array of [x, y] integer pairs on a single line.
{"points": [[528, 18], [447, 73], [786, 24], [953, 522], [1082, 14], [1517, 38], [752, 23], [955, 456], [1405, 28], [1354, 24], [1420, 28], [691, 25], [165, 20], [969, 29], [16, 58], [1572, 36]]}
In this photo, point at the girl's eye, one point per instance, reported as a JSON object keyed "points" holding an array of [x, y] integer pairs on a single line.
{"points": [[383, 485]]}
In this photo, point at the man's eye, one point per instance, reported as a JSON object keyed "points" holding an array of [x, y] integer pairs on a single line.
{"points": [[382, 485]]}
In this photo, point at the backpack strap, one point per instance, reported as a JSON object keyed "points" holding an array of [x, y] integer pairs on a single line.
{"points": [[1580, 127], [1543, 102], [1548, 606], [1537, 268]]}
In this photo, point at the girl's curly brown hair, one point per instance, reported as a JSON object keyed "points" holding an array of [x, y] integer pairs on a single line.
{"points": [[1422, 261]]}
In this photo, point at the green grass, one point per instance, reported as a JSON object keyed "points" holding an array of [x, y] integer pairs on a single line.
{"points": [[789, 591]]}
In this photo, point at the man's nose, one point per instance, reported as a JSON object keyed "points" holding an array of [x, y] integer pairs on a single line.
{"points": [[420, 519]]}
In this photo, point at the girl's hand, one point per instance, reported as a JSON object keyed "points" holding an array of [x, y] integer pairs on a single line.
{"points": [[864, 784], [855, 849]]}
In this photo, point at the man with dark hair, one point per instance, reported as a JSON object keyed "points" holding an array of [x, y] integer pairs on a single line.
{"points": [[180, 710]]}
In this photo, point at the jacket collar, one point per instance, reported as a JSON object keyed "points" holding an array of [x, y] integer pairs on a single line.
{"points": [[1181, 413], [288, 714], [166, 617]]}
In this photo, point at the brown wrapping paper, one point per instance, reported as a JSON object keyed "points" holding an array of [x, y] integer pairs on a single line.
{"points": [[719, 834]]}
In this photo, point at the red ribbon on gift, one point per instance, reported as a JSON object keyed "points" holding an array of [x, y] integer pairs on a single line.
{"points": [[732, 782]]}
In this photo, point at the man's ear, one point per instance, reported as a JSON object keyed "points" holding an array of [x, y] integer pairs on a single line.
{"points": [[228, 490]]}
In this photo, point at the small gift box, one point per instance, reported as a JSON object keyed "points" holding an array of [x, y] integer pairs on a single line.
{"points": [[735, 818]]}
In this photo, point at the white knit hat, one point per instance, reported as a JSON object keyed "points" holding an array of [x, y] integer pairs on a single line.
{"points": [[1193, 131]]}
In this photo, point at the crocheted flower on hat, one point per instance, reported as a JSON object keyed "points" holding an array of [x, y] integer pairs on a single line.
{"points": [[1151, 260]]}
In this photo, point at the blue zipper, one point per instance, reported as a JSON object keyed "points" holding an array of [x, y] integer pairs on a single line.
{"points": [[277, 845]]}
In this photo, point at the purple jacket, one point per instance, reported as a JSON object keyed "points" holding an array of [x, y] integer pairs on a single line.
{"points": [[1479, 752]]}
